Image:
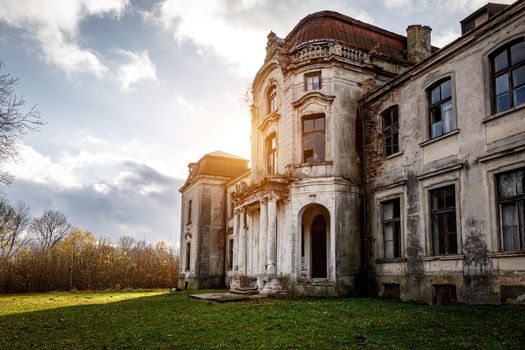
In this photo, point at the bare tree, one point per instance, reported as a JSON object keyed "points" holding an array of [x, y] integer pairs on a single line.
{"points": [[50, 228], [14, 220], [13, 122]]}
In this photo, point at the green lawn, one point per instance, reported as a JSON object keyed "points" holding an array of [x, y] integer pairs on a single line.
{"points": [[161, 320]]}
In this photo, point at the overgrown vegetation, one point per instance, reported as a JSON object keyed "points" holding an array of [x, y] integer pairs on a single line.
{"points": [[172, 320], [78, 261]]}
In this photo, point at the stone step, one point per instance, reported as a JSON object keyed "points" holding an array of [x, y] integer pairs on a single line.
{"points": [[244, 291]]}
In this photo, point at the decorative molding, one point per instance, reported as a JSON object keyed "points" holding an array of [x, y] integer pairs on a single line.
{"points": [[444, 170], [312, 95], [271, 118]]}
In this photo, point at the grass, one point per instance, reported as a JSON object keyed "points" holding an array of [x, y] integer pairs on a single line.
{"points": [[162, 320]]}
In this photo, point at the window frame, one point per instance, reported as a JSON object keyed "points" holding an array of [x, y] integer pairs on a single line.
{"points": [[397, 228], [230, 254], [441, 213], [271, 99], [519, 199], [271, 152], [390, 130], [188, 256], [311, 75], [508, 71], [431, 106], [313, 134]]}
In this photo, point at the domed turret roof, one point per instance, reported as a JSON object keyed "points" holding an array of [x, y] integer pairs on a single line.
{"points": [[333, 26]]}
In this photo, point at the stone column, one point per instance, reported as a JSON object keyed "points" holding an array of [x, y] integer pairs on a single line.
{"points": [[235, 263], [271, 250], [242, 243], [263, 228]]}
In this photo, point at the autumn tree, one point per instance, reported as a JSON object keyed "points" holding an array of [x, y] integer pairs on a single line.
{"points": [[14, 220], [14, 122], [50, 228]]}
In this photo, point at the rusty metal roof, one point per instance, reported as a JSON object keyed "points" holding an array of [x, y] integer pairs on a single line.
{"points": [[330, 26]]}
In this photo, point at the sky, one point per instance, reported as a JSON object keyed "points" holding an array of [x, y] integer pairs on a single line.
{"points": [[132, 91]]}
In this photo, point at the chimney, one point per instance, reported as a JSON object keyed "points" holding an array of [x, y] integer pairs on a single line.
{"points": [[418, 43]]}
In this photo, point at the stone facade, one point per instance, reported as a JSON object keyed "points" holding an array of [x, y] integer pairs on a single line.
{"points": [[353, 172]]}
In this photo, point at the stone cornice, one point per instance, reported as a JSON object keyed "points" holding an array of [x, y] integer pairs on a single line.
{"points": [[269, 119], [312, 95]]}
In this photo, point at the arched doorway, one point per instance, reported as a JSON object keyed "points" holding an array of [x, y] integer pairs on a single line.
{"points": [[318, 247], [314, 223]]}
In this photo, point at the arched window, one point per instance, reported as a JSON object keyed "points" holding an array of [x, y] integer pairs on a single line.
{"points": [[441, 118], [271, 99], [508, 75], [271, 155]]}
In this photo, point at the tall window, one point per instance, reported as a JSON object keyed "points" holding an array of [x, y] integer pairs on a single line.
{"points": [[230, 253], [440, 108], [271, 155], [443, 220], [271, 99], [313, 139], [390, 130], [188, 219], [511, 196], [391, 228], [188, 255], [312, 81], [508, 75]]}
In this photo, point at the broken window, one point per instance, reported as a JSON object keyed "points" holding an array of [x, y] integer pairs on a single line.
{"points": [[511, 195], [390, 130], [313, 139], [271, 98], [440, 108], [312, 81], [443, 221], [188, 255], [271, 155], [188, 219], [391, 228], [508, 75]]}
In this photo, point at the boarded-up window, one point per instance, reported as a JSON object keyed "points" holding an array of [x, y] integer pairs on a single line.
{"points": [[391, 228], [391, 291], [511, 195], [313, 139], [444, 294], [443, 220]]}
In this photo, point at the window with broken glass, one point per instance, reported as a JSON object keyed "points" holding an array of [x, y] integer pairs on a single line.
{"points": [[312, 81], [511, 196], [440, 108], [313, 139], [443, 221], [391, 228], [271, 98], [390, 131], [508, 76], [271, 155]]}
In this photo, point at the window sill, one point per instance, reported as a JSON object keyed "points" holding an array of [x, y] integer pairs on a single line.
{"points": [[506, 254], [304, 165], [395, 155], [390, 260], [444, 257], [439, 138], [504, 113]]}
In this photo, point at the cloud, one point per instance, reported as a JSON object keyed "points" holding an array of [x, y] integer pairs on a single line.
{"points": [[444, 38], [139, 68], [441, 5], [54, 25], [236, 30]]}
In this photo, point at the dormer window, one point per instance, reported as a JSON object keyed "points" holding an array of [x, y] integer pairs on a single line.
{"points": [[312, 81], [271, 98]]}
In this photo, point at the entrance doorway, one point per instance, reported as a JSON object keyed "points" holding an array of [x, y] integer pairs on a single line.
{"points": [[318, 248]]}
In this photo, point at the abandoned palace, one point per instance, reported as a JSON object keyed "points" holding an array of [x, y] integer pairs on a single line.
{"points": [[380, 165]]}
